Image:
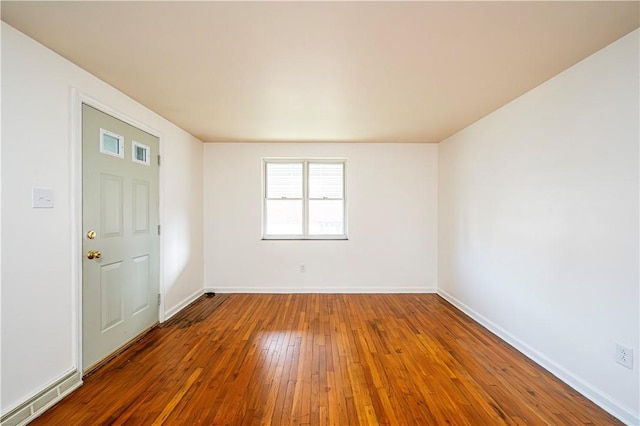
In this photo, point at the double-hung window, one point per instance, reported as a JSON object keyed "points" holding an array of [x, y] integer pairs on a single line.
{"points": [[304, 199]]}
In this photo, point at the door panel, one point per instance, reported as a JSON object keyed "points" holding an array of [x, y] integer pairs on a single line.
{"points": [[120, 203], [111, 297], [111, 205], [140, 207], [141, 284]]}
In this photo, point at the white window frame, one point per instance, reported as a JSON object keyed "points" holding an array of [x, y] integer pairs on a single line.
{"points": [[305, 198], [146, 148], [103, 150]]}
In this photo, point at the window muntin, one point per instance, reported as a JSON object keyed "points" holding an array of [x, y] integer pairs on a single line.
{"points": [[304, 199]]}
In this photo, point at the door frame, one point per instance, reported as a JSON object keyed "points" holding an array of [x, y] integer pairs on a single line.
{"points": [[79, 98]]}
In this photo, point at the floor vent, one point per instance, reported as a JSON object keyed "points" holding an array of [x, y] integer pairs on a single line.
{"points": [[38, 404]]}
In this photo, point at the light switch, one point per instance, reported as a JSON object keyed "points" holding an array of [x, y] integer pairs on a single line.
{"points": [[42, 198]]}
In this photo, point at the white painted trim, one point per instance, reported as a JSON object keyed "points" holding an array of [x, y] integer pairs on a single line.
{"points": [[182, 304], [79, 98], [76, 227], [328, 290], [161, 283], [597, 396]]}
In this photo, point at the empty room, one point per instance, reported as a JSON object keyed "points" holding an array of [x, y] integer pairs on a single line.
{"points": [[342, 213]]}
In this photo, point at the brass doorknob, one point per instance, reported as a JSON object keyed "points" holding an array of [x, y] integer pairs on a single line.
{"points": [[91, 254]]}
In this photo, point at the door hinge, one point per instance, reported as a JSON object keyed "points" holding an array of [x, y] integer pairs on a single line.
{"points": [[158, 160], [159, 298], [158, 229]]}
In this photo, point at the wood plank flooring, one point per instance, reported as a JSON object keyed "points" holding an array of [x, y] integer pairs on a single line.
{"points": [[316, 359]]}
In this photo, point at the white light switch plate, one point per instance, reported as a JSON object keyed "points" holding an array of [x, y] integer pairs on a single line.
{"points": [[41, 198]]}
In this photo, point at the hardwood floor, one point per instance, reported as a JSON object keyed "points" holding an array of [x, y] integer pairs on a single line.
{"points": [[342, 359]]}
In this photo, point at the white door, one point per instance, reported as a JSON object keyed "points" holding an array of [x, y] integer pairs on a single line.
{"points": [[120, 234]]}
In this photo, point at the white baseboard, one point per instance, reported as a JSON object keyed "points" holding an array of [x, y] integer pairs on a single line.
{"points": [[592, 393], [182, 304], [328, 290], [42, 401]]}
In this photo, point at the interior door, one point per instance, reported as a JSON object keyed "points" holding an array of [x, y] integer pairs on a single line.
{"points": [[120, 210]]}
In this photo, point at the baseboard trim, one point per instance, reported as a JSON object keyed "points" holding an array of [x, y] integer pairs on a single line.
{"points": [[590, 392], [182, 304], [42, 401], [341, 290]]}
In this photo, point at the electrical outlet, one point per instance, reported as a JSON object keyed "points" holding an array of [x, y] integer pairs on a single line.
{"points": [[624, 356], [303, 268]]}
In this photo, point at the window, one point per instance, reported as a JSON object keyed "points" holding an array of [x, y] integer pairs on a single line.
{"points": [[304, 199], [111, 143], [140, 153]]}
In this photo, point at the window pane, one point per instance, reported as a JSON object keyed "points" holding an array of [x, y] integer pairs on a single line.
{"points": [[141, 154], [326, 217], [326, 180], [111, 144], [284, 180], [284, 217]]}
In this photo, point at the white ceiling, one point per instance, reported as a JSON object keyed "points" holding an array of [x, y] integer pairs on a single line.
{"points": [[323, 71]]}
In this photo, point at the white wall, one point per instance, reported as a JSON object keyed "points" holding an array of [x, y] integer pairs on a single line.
{"points": [[39, 281], [538, 229], [392, 194]]}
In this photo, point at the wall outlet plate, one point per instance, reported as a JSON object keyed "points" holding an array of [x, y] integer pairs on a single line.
{"points": [[624, 356], [41, 198]]}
